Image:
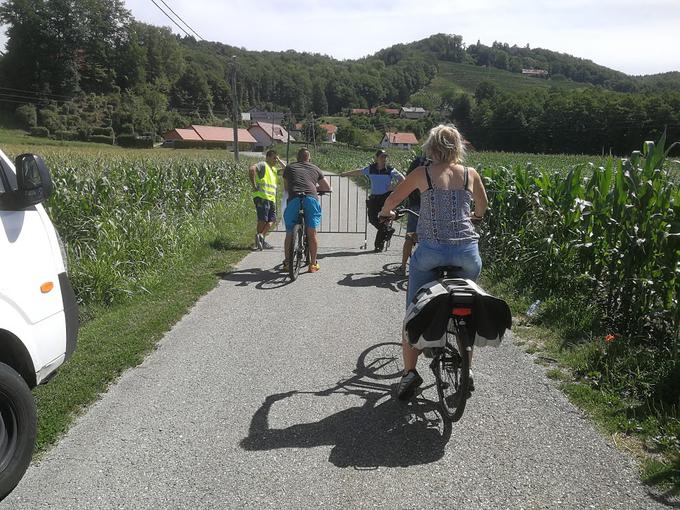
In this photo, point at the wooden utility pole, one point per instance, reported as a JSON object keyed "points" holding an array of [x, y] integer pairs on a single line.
{"points": [[235, 100], [288, 140], [314, 133]]}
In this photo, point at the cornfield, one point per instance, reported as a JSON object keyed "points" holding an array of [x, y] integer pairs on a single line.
{"points": [[604, 243], [124, 218]]}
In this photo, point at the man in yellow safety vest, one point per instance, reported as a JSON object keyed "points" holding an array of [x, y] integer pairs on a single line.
{"points": [[263, 177]]}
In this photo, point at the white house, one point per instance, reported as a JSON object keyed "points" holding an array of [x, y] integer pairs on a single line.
{"points": [[415, 112], [331, 131], [399, 140], [267, 134]]}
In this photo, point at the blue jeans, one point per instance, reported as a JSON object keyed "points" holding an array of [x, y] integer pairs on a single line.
{"points": [[430, 255]]}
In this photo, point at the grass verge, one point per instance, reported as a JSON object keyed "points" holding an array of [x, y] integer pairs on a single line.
{"points": [[652, 436], [121, 336]]}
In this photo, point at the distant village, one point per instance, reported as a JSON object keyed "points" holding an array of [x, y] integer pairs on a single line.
{"points": [[266, 128]]}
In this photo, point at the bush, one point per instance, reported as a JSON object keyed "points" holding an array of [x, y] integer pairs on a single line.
{"points": [[66, 135], [200, 144], [27, 115], [103, 131], [40, 131], [100, 139], [50, 119], [127, 129], [135, 142]]}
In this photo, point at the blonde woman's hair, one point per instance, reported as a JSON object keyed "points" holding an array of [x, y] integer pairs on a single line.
{"points": [[445, 143]]}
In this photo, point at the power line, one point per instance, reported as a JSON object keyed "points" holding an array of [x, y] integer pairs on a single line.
{"points": [[171, 19], [40, 95], [180, 18]]}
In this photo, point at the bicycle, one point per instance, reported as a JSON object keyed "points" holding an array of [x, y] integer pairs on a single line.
{"points": [[450, 368], [299, 246]]}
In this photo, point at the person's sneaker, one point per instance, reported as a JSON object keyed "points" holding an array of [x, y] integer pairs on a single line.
{"points": [[266, 245], [408, 384], [258, 241], [313, 268], [471, 384], [401, 271]]}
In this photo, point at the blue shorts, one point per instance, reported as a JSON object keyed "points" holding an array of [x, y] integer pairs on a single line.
{"points": [[266, 210], [412, 222], [312, 211], [429, 256]]}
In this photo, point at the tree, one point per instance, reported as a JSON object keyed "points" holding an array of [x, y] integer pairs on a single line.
{"points": [[349, 135], [319, 101]]}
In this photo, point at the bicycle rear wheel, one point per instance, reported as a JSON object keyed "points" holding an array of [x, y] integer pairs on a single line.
{"points": [[296, 252], [452, 373]]}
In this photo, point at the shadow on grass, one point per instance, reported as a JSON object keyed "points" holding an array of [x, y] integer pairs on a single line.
{"points": [[667, 481], [380, 432]]}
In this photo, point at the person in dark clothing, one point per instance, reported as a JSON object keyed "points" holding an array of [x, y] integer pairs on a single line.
{"points": [[413, 203], [383, 178]]}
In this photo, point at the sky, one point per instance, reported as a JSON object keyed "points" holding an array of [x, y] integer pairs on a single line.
{"points": [[636, 37]]}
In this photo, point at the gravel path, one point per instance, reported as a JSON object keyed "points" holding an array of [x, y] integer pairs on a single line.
{"points": [[265, 396]]}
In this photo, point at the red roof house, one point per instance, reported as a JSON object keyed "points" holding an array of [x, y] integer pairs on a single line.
{"points": [[399, 140], [181, 134], [331, 131], [197, 135], [266, 134]]}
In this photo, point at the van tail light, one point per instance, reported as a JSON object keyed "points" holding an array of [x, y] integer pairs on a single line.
{"points": [[461, 312], [46, 287]]}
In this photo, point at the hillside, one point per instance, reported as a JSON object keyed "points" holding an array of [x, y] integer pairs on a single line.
{"points": [[466, 77], [129, 82]]}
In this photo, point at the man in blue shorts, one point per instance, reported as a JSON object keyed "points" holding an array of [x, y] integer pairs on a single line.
{"points": [[302, 181], [263, 177], [383, 178]]}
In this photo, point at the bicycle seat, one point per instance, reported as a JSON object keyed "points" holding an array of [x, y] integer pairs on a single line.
{"points": [[450, 271]]}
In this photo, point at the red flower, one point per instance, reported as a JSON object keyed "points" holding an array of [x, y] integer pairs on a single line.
{"points": [[609, 338]]}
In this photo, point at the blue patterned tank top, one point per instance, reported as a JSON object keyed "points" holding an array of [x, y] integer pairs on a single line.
{"points": [[445, 214]]}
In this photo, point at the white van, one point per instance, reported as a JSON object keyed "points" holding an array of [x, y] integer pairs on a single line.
{"points": [[38, 312]]}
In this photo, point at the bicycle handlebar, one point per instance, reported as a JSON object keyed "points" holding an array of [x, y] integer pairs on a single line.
{"points": [[399, 212]]}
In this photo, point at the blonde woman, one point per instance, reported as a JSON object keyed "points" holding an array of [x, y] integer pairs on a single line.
{"points": [[446, 235]]}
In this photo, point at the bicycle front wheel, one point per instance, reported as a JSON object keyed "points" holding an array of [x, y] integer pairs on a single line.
{"points": [[295, 252], [452, 373]]}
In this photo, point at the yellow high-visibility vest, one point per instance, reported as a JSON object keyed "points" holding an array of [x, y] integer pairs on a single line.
{"points": [[266, 185]]}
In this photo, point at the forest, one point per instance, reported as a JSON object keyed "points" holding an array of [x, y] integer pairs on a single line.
{"points": [[86, 69]]}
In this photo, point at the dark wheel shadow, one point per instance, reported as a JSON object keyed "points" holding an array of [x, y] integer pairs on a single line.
{"points": [[264, 279], [387, 278], [381, 432], [333, 254]]}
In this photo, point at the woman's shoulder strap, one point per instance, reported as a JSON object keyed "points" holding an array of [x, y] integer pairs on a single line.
{"points": [[427, 174]]}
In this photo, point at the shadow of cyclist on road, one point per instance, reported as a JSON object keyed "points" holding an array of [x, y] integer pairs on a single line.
{"points": [[386, 278], [381, 432], [264, 279]]}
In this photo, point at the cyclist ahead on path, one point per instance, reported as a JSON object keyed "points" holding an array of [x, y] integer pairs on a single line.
{"points": [[446, 235], [263, 177], [301, 181], [383, 178]]}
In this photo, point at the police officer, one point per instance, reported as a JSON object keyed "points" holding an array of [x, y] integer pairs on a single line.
{"points": [[383, 179]]}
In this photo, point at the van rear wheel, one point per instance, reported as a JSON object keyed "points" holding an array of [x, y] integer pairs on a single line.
{"points": [[17, 428]]}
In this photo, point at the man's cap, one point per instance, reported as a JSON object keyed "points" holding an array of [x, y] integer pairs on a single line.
{"points": [[381, 152]]}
